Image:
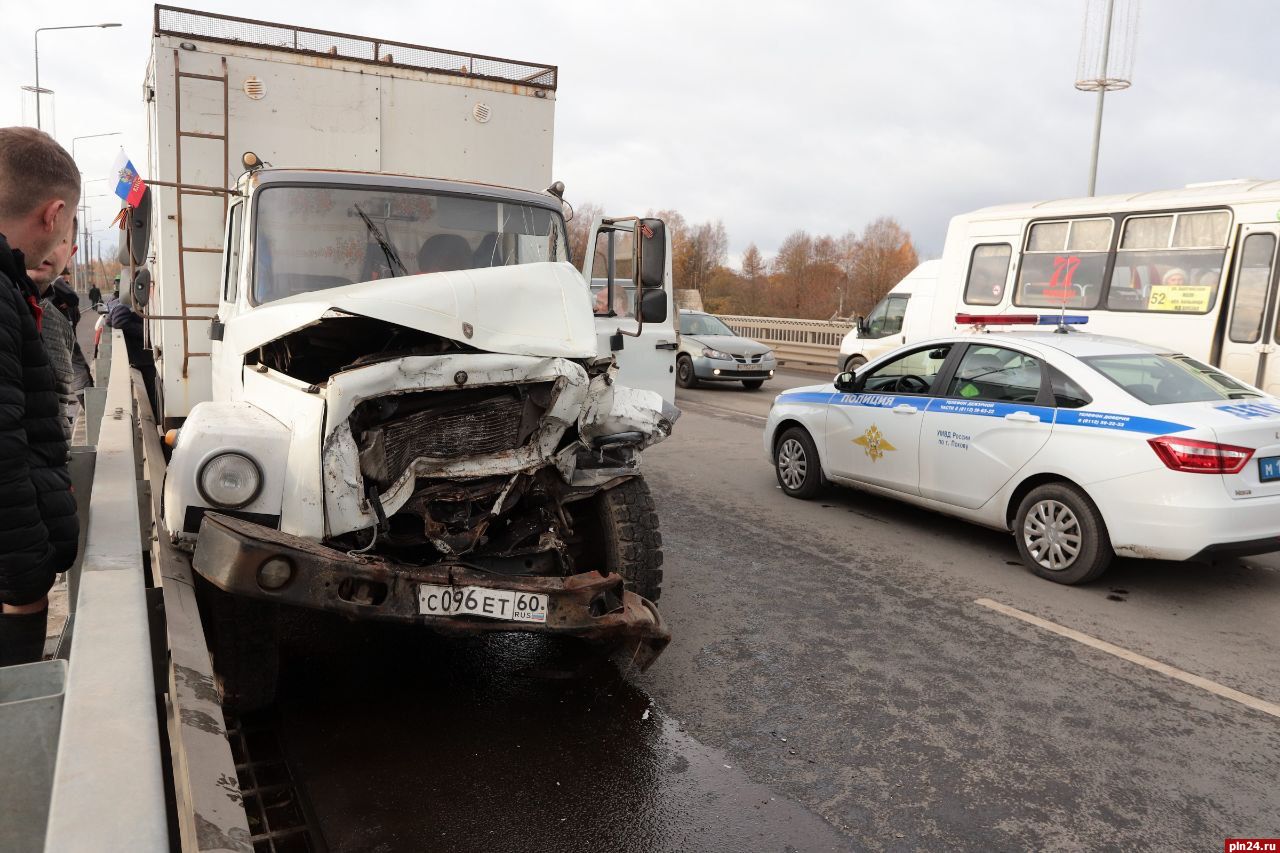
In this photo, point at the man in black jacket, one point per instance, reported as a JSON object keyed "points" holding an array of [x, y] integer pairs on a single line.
{"points": [[39, 191]]}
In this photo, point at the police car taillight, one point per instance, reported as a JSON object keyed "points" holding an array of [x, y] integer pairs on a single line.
{"points": [[1200, 457]]}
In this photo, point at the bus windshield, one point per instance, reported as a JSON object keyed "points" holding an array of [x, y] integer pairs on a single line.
{"points": [[1160, 379], [309, 238]]}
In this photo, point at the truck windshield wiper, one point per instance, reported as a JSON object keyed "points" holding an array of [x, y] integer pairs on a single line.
{"points": [[393, 260]]}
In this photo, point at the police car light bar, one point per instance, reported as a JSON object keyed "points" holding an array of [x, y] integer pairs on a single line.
{"points": [[1021, 319]]}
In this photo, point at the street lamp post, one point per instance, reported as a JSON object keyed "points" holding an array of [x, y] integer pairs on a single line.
{"points": [[84, 183], [37, 44]]}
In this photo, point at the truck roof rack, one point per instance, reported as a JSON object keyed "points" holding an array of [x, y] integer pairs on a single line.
{"points": [[208, 26]]}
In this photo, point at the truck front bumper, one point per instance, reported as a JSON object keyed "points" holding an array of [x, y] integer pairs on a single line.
{"points": [[230, 554]]}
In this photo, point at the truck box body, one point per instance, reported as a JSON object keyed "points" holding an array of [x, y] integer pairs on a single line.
{"points": [[218, 87]]}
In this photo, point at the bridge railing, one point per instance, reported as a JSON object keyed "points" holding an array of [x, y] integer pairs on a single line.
{"points": [[109, 790], [807, 343]]}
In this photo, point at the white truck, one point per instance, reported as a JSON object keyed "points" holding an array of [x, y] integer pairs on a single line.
{"points": [[388, 391]]}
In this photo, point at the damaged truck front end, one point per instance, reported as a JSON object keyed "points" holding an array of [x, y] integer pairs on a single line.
{"points": [[469, 492], [411, 420]]}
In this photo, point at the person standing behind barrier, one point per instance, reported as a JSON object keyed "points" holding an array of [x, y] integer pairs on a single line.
{"points": [[39, 532], [56, 330], [120, 315], [66, 300]]}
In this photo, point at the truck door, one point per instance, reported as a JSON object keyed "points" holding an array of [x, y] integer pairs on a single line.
{"points": [[1251, 347], [647, 361], [228, 296]]}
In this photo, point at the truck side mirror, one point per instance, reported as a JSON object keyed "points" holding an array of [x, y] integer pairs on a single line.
{"points": [[651, 249], [653, 305], [142, 287]]}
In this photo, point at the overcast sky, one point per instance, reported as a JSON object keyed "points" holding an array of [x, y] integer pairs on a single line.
{"points": [[774, 116]]}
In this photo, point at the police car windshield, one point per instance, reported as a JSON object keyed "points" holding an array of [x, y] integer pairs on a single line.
{"points": [[1160, 379]]}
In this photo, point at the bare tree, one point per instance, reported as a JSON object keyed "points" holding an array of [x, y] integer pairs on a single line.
{"points": [[885, 255]]}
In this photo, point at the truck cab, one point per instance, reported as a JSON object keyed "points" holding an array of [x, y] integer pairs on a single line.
{"points": [[394, 398]]}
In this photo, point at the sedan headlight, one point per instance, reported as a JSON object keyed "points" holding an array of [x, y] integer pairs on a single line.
{"points": [[230, 480], [708, 352]]}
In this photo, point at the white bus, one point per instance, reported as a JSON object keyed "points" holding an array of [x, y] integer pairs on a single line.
{"points": [[1191, 269]]}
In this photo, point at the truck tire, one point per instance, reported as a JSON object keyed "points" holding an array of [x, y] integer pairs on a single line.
{"points": [[244, 643], [685, 376], [1054, 519], [631, 540]]}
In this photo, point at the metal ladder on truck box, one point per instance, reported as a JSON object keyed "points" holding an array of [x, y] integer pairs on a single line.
{"points": [[182, 188]]}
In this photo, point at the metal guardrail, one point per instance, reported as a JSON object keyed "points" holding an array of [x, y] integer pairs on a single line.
{"points": [[814, 343], [109, 790]]}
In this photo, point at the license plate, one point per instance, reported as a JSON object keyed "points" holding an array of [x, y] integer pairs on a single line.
{"points": [[481, 601], [1269, 468], [751, 367]]}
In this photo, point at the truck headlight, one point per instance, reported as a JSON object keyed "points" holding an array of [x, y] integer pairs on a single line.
{"points": [[230, 480], [708, 352]]}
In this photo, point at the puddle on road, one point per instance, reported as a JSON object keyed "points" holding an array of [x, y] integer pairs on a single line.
{"points": [[410, 742]]}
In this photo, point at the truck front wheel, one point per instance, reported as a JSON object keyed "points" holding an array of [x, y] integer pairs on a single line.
{"points": [[244, 643], [632, 544]]}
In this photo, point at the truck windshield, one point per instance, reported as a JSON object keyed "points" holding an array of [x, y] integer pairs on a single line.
{"points": [[309, 238]]}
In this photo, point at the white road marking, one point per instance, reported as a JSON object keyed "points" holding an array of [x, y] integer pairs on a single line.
{"points": [[1133, 657], [698, 404]]}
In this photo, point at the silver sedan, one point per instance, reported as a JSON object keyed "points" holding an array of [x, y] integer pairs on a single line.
{"points": [[711, 352]]}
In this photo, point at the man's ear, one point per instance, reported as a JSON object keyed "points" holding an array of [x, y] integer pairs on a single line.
{"points": [[51, 213], [75, 248]]}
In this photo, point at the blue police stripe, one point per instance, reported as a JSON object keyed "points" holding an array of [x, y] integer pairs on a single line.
{"points": [[988, 409], [805, 397], [1124, 423]]}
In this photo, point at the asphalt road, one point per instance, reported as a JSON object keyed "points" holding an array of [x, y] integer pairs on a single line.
{"points": [[914, 717], [832, 685]]}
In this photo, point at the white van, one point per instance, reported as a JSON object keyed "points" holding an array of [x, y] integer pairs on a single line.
{"points": [[904, 313]]}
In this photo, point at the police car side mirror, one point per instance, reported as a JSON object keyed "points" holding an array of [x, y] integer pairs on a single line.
{"points": [[847, 383]]}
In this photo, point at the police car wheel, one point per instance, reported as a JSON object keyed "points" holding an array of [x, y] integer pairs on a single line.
{"points": [[1061, 535], [795, 461]]}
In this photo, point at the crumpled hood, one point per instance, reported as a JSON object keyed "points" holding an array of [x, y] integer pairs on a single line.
{"points": [[541, 309]]}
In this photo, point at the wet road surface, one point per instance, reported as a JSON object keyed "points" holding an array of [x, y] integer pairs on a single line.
{"points": [[831, 685], [406, 742]]}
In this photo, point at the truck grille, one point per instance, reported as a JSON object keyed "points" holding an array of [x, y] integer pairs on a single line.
{"points": [[472, 429], [392, 432]]}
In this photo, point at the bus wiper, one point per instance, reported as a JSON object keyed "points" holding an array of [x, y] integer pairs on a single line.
{"points": [[387, 249], [1241, 395]]}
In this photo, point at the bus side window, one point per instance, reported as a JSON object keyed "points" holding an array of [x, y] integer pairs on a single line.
{"points": [[988, 270], [1251, 288]]}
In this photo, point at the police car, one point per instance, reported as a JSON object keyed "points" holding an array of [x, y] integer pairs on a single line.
{"points": [[1083, 446]]}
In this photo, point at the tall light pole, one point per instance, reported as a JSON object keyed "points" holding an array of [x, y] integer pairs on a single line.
{"points": [[84, 183], [1102, 71], [37, 42]]}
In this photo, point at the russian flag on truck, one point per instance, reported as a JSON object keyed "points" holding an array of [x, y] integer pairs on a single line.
{"points": [[129, 184]]}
